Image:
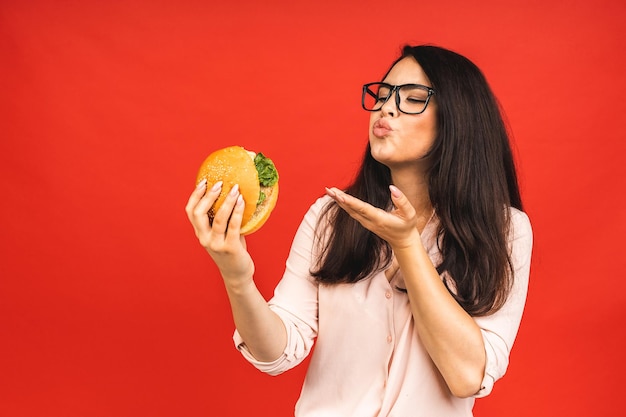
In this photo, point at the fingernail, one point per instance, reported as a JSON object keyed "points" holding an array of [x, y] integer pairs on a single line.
{"points": [[239, 200], [337, 195], [217, 186], [235, 190], [201, 184], [330, 192], [395, 191]]}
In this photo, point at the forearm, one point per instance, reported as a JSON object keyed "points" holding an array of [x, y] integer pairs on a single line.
{"points": [[449, 334], [260, 328]]}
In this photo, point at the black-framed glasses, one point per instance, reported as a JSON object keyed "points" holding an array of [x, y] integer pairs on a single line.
{"points": [[410, 98]]}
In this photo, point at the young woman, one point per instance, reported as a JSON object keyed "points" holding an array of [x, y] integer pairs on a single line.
{"points": [[413, 280]]}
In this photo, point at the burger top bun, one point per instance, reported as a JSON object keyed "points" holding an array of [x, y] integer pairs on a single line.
{"points": [[235, 165], [232, 165]]}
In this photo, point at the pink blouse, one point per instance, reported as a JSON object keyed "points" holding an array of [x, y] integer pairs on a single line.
{"points": [[368, 360]]}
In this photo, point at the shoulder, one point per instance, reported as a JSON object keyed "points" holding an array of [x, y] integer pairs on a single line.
{"points": [[318, 208], [312, 217], [321, 202], [520, 222], [520, 236]]}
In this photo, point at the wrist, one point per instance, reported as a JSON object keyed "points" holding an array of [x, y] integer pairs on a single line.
{"points": [[409, 244], [413, 251], [239, 286]]}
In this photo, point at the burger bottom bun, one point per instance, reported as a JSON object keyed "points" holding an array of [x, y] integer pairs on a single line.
{"points": [[262, 212]]}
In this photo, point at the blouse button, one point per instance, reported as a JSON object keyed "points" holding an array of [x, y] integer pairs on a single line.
{"points": [[388, 294], [389, 339]]}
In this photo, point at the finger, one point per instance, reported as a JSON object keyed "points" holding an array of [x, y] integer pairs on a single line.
{"points": [[361, 211], [220, 221], [199, 216], [234, 224], [195, 196]]}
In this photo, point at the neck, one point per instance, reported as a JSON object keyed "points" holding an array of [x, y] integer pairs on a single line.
{"points": [[415, 188]]}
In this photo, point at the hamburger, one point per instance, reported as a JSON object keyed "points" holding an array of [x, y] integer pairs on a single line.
{"points": [[257, 178]]}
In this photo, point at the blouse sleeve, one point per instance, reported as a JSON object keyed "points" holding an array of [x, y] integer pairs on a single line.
{"points": [[295, 299], [499, 329]]}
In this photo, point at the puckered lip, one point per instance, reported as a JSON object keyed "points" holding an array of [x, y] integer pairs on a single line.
{"points": [[383, 124], [381, 128]]}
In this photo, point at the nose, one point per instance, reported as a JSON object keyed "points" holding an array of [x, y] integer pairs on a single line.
{"points": [[390, 107]]}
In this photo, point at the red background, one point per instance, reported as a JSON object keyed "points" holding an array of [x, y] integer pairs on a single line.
{"points": [[108, 305]]}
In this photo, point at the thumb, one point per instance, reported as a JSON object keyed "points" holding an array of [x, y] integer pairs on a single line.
{"points": [[402, 204]]}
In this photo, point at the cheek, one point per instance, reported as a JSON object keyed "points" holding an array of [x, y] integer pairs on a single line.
{"points": [[429, 127], [433, 130], [423, 131]]}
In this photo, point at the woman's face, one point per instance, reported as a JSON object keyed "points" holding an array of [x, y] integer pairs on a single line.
{"points": [[396, 139]]}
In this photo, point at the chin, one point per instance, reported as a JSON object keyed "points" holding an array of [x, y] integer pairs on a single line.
{"points": [[401, 161], [379, 154]]}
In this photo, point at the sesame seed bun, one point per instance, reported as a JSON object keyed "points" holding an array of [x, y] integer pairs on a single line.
{"points": [[235, 165]]}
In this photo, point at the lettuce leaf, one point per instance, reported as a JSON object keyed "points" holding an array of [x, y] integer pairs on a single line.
{"points": [[268, 176], [262, 198]]}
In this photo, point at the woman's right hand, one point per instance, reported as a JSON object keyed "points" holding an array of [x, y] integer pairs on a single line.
{"points": [[221, 238], [261, 329]]}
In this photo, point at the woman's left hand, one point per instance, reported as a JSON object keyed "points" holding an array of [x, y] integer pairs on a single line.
{"points": [[398, 227]]}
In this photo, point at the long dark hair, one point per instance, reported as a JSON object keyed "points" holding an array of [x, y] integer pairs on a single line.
{"points": [[472, 184]]}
